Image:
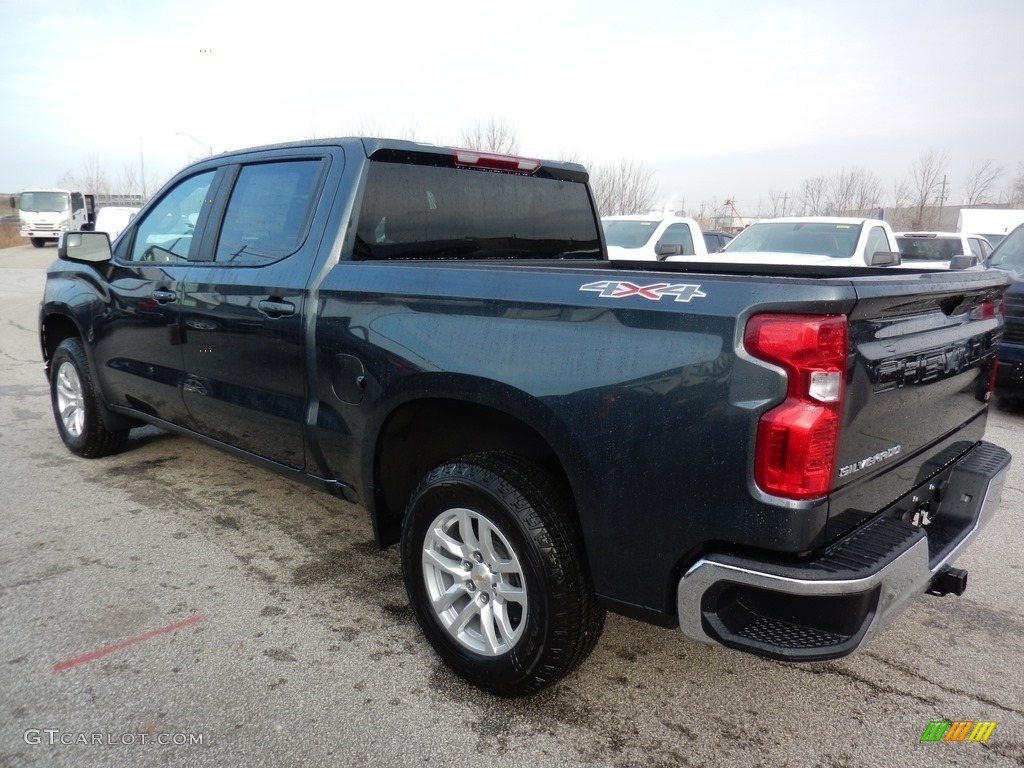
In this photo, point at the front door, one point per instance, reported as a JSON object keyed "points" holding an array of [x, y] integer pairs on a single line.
{"points": [[138, 339]]}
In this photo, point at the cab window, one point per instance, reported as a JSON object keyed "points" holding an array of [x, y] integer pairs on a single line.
{"points": [[877, 242], [678, 234], [165, 233], [269, 212]]}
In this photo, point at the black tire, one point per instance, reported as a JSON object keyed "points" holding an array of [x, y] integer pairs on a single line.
{"points": [[38, 242], [544, 619], [71, 383]]}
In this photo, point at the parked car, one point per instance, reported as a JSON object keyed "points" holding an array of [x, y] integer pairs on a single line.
{"points": [[716, 241], [1009, 256], [813, 241], [114, 218], [652, 238], [938, 248]]}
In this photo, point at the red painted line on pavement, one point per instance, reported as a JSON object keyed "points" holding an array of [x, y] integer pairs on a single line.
{"points": [[74, 661]]}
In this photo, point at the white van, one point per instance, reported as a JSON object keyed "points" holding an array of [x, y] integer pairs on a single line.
{"points": [[113, 218]]}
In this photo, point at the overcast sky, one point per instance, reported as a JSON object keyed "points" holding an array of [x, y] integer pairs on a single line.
{"points": [[720, 99]]}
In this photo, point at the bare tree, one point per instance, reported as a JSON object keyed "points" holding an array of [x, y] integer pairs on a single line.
{"points": [[840, 192], [812, 196], [926, 177], [778, 204], [981, 181], [492, 135], [899, 214], [867, 193], [128, 181], [852, 192], [1015, 193], [90, 178], [622, 189]]}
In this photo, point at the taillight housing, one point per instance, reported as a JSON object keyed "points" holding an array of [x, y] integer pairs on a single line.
{"points": [[796, 441], [496, 162]]}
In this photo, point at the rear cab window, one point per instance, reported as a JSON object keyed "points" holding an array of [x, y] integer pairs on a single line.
{"points": [[412, 211]]}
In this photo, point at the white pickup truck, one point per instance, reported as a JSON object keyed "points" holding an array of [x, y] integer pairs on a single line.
{"points": [[813, 241], [652, 237]]}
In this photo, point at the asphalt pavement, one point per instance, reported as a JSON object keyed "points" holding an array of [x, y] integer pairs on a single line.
{"points": [[173, 605]]}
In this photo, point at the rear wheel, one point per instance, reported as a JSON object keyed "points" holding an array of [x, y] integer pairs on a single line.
{"points": [[77, 405], [496, 574]]}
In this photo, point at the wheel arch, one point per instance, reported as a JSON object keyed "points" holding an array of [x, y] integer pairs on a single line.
{"points": [[421, 433], [56, 325]]}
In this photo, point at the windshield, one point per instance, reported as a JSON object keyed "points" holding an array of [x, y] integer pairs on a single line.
{"points": [[930, 248], [1010, 252], [821, 239], [628, 233], [44, 201]]}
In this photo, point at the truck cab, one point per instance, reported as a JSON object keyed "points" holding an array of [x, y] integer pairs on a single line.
{"points": [[46, 213]]}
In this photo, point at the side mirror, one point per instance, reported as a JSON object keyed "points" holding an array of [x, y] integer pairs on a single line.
{"points": [[669, 250], [963, 262], [14, 202], [90, 247], [885, 259]]}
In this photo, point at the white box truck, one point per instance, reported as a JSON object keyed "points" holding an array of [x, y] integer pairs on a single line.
{"points": [[992, 223], [45, 213]]}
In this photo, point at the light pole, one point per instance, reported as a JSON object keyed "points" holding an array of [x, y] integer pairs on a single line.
{"points": [[203, 144]]}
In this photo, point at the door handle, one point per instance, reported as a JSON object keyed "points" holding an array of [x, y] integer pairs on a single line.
{"points": [[164, 297], [275, 308]]}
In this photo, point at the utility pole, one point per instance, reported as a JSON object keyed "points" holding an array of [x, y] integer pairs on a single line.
{"points": [[942, 202], [785, 199], [142, 170]]}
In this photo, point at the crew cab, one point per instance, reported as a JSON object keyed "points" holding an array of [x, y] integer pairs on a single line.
{"points": [[652, 237], [814, 240], [773, 458]]}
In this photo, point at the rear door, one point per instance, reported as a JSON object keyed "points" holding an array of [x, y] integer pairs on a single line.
{"points": [[244, 305]]}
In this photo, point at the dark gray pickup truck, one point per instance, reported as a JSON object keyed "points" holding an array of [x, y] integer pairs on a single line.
{"points": [[772, 459]]}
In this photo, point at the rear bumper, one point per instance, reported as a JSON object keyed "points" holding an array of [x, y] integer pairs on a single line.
{"points": [[828, 607]]}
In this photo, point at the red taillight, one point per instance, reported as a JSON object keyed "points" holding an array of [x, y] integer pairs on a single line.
{"points": [[984, 311], [993, 374], [796, 441], [472, 157]]}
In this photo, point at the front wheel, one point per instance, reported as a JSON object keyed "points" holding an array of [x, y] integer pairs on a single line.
{"points": [[77, 405], [496, 574], [38, 242]]}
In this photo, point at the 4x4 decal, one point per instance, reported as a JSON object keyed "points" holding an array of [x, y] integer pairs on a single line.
{"points": [[620, 289]]}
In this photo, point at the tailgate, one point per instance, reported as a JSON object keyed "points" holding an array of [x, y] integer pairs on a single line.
{"points": [[923, 351]]}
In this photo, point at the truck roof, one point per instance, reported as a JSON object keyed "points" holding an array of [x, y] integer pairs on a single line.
{"points": [[372, 145]]}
